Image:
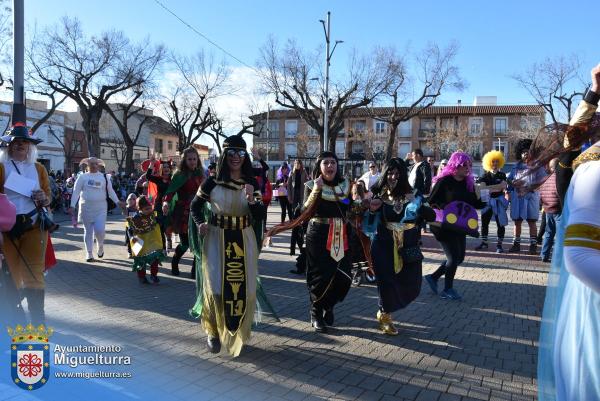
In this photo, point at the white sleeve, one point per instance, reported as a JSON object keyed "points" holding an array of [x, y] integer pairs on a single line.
{"points": [[77, 190], [111, 191], [584, 196]]}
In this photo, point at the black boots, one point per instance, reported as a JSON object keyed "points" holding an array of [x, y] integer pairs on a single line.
{"points": [[328, 317], [316, 319], [214, 344], [533, 247], [175, 261], [515, 248], [35, 304]]}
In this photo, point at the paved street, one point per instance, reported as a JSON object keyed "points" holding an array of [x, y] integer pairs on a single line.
{"points": [[483, 348]]}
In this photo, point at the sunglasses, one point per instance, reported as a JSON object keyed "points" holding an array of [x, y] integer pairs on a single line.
{"points": [[371, 166], [233, 152]]}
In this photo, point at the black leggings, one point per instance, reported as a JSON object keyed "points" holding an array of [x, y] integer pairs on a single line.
{"points": [[454, 247], [485, 226], [285, 207]]}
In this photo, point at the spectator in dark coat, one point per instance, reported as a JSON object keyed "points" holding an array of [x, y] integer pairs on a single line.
{"points": [[420, 173]]}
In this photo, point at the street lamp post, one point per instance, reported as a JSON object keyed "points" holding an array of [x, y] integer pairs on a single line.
{"points": [[268, 133], [328, 55], [19, 113]]}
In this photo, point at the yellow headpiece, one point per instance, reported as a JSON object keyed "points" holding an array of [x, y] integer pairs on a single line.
{"points": [[490, 156]]}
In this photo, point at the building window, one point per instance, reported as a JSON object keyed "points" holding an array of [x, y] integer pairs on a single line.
{"points": [[358, 127], [273, 151], [274, 129], [291, 150], [113, 154], [501, 147], [312, 149], [448, 124], [404, 148], [405, 129], [137, 156], [475, 150], [312, 132], [379, 127], [158, 145], [358, 147], [291, 128], [530, 124], [76, 145], [475, 126], [427, 127], [103, 151], [170, 145], [500, 125], [340, 148]]}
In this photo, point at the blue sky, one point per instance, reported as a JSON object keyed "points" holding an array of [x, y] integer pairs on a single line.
{"points": [[496, 39]]}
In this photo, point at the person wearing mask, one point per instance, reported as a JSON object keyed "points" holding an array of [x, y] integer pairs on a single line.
{"points": [[420, 173], [227, 211], [91, 191]]}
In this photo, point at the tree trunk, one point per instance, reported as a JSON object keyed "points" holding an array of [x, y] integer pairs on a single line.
{"points": [[389, 151], [331, 138], [129, 163], [91, 123]]}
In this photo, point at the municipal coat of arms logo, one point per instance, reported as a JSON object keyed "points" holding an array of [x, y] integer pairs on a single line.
{"points": [[30, 355]]}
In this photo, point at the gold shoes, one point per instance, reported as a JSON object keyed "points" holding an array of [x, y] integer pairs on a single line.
{"points": [[386, 324]]}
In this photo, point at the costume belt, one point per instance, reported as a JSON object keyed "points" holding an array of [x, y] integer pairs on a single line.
{"points": [[337, 238], [397, 230], [583, 235], [229, 222]]}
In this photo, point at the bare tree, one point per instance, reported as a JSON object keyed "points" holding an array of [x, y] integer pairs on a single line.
{"points": [[217, 133], [67, 147], [417, 88], [118, 148], [305, 145], [53, 106], [443, 141], [122, 114], [555, 84], [200, 80], [295, 77], [90, 71]]}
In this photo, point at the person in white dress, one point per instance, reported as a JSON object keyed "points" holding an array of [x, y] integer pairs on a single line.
{"points": [[91, 191]]}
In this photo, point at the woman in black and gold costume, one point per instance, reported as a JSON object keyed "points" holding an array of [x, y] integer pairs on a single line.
{"points": [[226, 210], [326, 203], [395, 252]]}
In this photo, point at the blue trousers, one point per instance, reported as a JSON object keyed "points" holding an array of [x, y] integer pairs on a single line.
{"points": [[552, 222]]}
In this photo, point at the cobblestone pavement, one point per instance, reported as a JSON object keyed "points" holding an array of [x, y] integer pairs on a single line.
{"points": [[482, 348]]}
